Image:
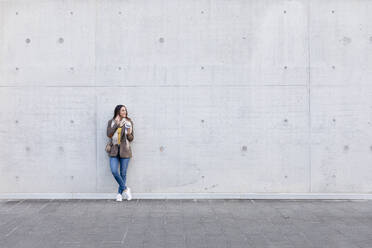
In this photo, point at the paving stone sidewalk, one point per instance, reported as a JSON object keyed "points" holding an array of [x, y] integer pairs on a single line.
{"points": [[185, 223]]}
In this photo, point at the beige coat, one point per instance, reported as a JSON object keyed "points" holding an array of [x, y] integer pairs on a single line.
{"points": [[125, 151]]}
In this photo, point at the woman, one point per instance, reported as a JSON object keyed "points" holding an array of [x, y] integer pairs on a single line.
{"points": [[120, 130]]}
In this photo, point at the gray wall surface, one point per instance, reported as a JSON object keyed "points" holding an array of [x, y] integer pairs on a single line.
{"points": [[227, 97]]}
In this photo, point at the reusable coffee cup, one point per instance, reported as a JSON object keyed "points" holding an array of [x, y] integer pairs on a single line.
{"points": [[127, 125]]}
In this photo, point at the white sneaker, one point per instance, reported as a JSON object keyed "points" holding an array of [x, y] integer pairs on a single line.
{"points": [[128, 194], [119, 197]]}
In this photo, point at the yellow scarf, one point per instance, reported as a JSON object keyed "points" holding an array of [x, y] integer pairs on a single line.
{"points": [[119, 134]]}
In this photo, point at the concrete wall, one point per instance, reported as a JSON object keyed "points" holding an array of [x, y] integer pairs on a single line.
{"points": [[228, 98]]}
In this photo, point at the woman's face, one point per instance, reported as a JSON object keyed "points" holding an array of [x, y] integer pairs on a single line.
{"points": [[123, 112]]}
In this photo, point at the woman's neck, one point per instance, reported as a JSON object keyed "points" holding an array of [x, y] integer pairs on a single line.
{"points": [[121, 118]]}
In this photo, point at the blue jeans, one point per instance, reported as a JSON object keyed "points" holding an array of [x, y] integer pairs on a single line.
{"points": [[122, 177]]}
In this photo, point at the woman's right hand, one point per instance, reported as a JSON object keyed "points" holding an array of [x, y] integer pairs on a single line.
{"points": [[117, 120]]}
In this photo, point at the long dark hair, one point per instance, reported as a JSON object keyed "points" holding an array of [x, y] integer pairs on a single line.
{"points": [[117, 111]]}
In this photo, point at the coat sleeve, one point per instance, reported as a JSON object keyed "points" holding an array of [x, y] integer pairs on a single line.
{"points": [[130, 136], [111, 130]]}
